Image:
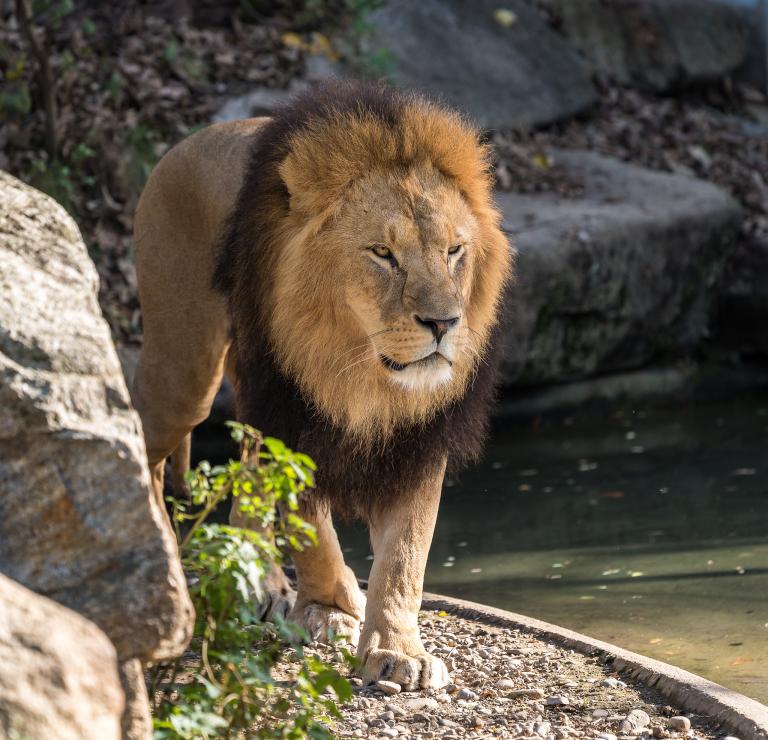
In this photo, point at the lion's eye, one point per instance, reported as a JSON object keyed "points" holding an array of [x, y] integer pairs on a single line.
{"points": [[455, 250], [381, 251]]}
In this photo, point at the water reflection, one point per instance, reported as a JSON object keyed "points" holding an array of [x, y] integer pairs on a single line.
{"points": [[648, 530]]}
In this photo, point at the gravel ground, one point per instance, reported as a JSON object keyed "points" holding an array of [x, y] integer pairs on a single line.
{"points": [[510, 684]]}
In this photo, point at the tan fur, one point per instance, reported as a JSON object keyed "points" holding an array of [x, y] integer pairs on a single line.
{"points": [[348, 190]]}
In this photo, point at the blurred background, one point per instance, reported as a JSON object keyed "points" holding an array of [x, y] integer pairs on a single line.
{"points": [[623, 493]]}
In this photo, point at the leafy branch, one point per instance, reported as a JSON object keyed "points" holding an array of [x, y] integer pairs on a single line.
{"points": [[228, 684]]}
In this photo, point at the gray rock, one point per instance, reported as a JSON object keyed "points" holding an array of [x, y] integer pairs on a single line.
{"points": [[622, 274], [77, 520], [554, 701], [466, 694], [656, 45], [421, 703], [519, 74], [679, 724], [613, 683], [58, 671], [388, 687], [526, 694], [634, 722]]}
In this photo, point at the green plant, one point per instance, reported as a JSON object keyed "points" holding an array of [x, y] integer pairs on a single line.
{"points": [[228, 683]]}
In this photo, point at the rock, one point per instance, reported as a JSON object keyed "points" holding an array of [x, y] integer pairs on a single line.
{"points": [[396, 710], [526, 694], [634, 722], [390, 688], [466, 694], [506, 683], [558, 701], [620, 275], [77, 520], [542, 729], [600, 713], [613, 683], [606, 736], [656, 45], [679, 724], [421, 703], [58, 671], [516, 74]]}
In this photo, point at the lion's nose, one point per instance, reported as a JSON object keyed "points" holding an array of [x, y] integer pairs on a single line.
{"points": [[438, 327]]}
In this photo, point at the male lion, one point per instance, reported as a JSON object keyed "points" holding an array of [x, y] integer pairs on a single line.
{"points": [[343, 263]]}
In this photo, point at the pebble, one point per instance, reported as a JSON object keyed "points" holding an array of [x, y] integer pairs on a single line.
{"points": [[420, 703], [522, 702], [390, 688], [526, 694], [613, 683], [395, 709], [680, 724], [557, 700], [634, 722]]}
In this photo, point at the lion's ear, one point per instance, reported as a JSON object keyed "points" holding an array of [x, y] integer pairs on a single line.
{"points": [[313, 185]]}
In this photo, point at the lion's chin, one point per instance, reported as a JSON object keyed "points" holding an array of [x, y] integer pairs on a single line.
{"points": [[425, 375]]}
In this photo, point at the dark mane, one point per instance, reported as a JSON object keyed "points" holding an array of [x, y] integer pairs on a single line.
{"points": [[354, 482]]}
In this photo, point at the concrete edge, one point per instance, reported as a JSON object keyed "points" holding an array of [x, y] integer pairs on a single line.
{"points": [[735, 713]]}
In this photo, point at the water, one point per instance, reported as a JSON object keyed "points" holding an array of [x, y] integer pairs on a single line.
{"points": [[647, 530]]}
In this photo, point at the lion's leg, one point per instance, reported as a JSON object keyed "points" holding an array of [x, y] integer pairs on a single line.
{"points": [[176, 381], [329, 599], [390, 645]]}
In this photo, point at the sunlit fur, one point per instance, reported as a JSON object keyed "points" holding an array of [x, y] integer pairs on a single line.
{"points": [[355, 180]]}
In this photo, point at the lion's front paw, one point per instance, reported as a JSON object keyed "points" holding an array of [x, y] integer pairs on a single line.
{"points": [[324, 622], [278, 597], [422, 671]]}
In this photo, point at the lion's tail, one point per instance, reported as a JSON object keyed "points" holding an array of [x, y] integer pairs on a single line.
{"points": [[180, 461]]}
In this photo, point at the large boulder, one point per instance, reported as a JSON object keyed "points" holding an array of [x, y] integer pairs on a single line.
{"points": [[77, 520], [619, 275], [656, 45], [498, 62], [58, 671]]}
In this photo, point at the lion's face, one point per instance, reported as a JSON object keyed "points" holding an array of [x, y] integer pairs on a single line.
{"points": [[410, 250], [389, 270]]}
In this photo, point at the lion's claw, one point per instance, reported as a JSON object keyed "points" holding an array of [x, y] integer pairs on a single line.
{"points": [[325, 622], [423, 671]]}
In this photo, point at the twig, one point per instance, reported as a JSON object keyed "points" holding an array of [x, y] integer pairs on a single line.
{"points": [[44, 76]]}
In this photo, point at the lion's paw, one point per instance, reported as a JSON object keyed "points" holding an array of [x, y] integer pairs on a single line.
{"points": [[278, 597], [422, 671], [323, 623]]}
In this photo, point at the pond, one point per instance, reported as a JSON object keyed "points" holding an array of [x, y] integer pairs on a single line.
{"points": [[647, 530]]}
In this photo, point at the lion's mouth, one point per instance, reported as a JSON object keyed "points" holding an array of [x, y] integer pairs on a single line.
{"points": [[430, 359]]}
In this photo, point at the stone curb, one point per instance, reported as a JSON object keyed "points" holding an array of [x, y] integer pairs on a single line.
{"points": [[735, 713]]}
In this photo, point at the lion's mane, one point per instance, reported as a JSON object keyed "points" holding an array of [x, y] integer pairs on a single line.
{"points": [[336, 131]]}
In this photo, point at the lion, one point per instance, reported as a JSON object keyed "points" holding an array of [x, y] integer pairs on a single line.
{"points": [[343, 263]]}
